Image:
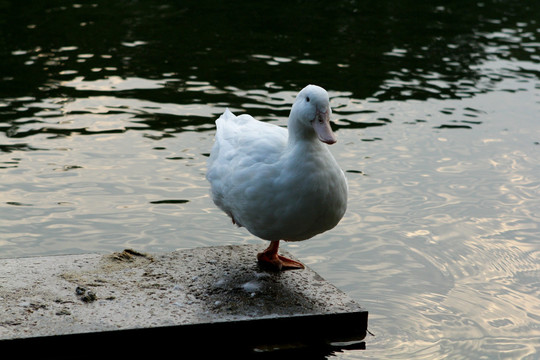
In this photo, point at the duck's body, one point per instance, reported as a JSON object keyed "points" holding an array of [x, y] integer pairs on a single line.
{"points": [[280, 184]]}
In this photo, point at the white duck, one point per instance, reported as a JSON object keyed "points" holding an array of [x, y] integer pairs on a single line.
{"points": [[279, 184]]}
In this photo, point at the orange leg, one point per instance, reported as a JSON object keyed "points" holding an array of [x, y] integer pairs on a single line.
{"points": [[270, 259]]}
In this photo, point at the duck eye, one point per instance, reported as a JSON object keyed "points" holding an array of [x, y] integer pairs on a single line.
{"points": [[307, 98]]}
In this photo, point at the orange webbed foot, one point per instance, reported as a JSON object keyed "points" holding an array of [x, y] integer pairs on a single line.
{"points": [[271, 260]]}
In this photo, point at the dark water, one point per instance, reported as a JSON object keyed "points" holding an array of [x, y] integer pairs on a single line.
{"points": [[106, 121]]}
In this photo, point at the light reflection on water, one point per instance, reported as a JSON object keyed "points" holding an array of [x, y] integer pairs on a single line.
{"points": [[440, 242]]}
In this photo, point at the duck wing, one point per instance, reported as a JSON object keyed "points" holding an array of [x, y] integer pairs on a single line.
{"points": [[242, 152]]}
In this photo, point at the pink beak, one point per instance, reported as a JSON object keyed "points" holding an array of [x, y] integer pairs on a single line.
{"points": [[321, 124]]}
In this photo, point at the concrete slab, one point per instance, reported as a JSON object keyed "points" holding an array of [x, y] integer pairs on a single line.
{"points": [[195, 297]]}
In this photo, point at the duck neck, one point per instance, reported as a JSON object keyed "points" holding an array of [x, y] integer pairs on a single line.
{"points": [[300, 132], [304, 141]]}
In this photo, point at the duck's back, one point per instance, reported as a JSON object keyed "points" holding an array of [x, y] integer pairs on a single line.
{"points": [[242, 138]]}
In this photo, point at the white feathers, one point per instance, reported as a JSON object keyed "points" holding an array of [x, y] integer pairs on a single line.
{"points": [[277, 185]]}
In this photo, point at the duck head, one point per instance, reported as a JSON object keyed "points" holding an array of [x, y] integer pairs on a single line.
{"points": [[310, 115]]}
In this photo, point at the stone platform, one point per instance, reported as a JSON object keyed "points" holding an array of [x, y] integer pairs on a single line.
{"points": [[206, 299]]}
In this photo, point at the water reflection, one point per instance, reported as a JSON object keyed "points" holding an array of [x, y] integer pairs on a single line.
{"points": [[106, 124], [113, 83]]}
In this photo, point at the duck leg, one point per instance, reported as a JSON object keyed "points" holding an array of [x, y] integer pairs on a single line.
{"points": [[270, 259]]}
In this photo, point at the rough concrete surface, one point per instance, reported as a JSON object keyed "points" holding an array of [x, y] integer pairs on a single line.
{"points": [[74, 294]]}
